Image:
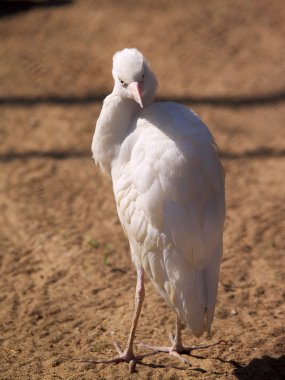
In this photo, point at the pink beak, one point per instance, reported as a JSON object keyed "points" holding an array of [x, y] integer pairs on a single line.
{"points": [[136, 92]]}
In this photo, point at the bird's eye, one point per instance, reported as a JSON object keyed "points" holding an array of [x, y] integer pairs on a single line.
{"points": [[124, 84]]}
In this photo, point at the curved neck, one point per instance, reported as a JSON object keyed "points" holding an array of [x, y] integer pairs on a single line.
{"points": [[112, 127]]}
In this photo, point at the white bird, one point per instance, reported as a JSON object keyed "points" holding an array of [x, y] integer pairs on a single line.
{"points": [[168, 184]]}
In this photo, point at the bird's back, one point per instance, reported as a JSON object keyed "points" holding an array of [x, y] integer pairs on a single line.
{"points": [[169, 188]]}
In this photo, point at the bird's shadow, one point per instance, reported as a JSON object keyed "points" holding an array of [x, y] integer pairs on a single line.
{"points": [[178, 368], [265, 368], [152, 365]]}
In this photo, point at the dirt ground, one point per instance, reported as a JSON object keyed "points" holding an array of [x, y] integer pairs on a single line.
{"points": [[67, 281]]}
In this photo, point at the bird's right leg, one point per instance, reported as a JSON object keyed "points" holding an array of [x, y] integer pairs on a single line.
{"points": [[128, 354]]}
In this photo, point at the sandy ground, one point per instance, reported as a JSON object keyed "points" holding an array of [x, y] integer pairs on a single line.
{"points": [[67, 280]]}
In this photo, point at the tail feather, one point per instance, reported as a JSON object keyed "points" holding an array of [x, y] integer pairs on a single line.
{"points": [[191, 292]]}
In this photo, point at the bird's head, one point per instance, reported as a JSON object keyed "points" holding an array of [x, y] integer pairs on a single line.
{"points": [[133, 77]]}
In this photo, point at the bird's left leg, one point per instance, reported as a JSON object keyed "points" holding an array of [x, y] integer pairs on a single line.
{"points": [[177, 348]]}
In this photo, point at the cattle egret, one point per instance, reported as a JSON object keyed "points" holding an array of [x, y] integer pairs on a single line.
{"points": [[168, 184]]}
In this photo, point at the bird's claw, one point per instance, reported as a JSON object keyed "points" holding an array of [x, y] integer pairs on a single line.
{"points": [[124, 356], [132, 366]]}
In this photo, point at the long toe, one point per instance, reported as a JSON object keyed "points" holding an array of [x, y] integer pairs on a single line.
{"points": [[188, 350], [123, 357], [180, 357], [177, 350], [168, 350]]}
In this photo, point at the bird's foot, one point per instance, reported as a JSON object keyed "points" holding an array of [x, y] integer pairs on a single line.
{"points": [[123, 356], [177, 349], [177, 352]]}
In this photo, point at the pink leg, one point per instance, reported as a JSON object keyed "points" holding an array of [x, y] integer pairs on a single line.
{"points": [[139, 298], [177, 348], [128, 354]]}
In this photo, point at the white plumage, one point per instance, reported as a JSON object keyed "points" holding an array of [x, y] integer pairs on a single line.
{"points": [[169, 189]]}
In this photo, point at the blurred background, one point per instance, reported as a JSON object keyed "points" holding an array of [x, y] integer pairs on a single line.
{"points": [[66, 278]]}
